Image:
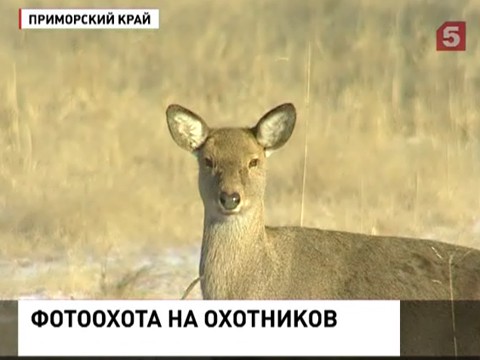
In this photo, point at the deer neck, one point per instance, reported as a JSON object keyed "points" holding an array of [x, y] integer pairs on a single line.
{"points": [[231, 248]]}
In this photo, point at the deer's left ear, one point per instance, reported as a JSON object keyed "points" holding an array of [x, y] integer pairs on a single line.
{"points": [[275, 127]]}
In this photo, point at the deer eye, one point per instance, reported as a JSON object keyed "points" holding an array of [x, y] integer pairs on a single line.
{"points": [[253, 163], [208, 162]]}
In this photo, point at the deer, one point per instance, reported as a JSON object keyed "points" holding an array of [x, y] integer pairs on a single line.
{"points": [[243, 258]]}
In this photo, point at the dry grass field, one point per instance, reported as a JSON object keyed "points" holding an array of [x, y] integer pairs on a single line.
{"points": [[97, 201]]}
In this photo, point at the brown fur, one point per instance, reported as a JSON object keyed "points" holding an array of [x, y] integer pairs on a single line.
{"points": [[243, 259]]}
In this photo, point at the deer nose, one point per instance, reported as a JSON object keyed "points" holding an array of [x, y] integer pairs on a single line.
{"points": [[229, 201]]}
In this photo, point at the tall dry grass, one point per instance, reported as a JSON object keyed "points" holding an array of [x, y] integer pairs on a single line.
{"points": [[88, 165]]}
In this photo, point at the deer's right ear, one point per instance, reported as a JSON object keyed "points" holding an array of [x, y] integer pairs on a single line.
{"points": [[188, 129]]}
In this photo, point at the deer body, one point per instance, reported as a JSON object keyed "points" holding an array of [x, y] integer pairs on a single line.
{"points": [[304, 263], [241, 258]]}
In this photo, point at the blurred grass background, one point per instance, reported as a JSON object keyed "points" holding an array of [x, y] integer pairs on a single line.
{"points": [[87, 165]]}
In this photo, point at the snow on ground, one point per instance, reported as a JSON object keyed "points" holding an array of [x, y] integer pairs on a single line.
{"points": [[163, 275]]}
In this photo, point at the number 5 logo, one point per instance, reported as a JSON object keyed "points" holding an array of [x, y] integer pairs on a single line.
{"points": [[452, 36]]}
